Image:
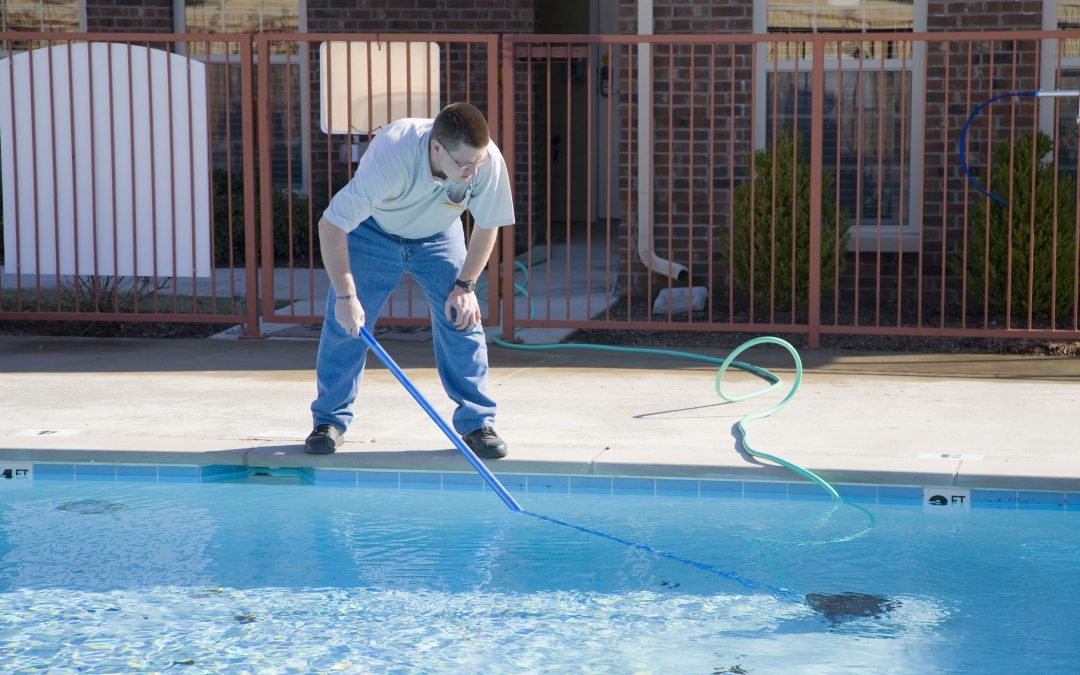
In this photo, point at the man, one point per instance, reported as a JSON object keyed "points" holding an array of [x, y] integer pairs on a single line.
{"points": [[400, 214]]}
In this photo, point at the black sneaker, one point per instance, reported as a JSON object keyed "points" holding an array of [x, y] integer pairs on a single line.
{"points": [[323, 440], [485, 443]]}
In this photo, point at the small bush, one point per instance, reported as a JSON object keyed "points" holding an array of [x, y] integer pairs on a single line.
{"points": [[1029, 214], [229, 235], [779, 201]]}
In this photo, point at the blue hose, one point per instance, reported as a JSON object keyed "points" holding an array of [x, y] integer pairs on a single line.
{"points": [[512, 504], [468, 454], [1034, 93], [963, 141]]}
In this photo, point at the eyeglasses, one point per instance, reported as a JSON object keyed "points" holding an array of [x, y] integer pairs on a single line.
{"points": [[464, 167]]}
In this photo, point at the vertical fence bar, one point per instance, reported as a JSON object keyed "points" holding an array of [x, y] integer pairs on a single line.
{"points": [[491, 51], [263, 140], [247, 114], [860, 126], [72, 163], [569, 174], [16, 305], [195, 309], [57, 243], [588, 182], [902, 149], [129, 60], [289, 191], [944, 250], [838, 222], [153, 181], [793, 208], [817, 152], [509, 148], [231, 235], [172, 183]]}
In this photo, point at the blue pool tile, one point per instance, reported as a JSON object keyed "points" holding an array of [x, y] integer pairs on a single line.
{"points": [[464, 481], [513, 481], [633, 486], [95, 472], [860, 494], [334, 477], [1054, 501], [542, 483], [590, 484], [1072, 501], [994, 499], [895, 494], [811, 492], [54, 471], [755, 489], [378, 479], [179, 474], [141, 473], [212, 472], [721, 488], [679, 487], [422, 480]]}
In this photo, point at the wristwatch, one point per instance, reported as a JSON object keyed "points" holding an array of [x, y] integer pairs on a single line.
{"points": [[469, 286]]}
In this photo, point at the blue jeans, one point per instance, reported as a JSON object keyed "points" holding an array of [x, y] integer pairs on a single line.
{"points": [[378, 261]]}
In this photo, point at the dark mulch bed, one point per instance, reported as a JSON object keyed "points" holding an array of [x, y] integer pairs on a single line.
{"points": [[862, 343], [113, 329], [682, 339]]}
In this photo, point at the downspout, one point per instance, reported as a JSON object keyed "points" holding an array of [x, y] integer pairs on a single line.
{"points": [[646, 253]]}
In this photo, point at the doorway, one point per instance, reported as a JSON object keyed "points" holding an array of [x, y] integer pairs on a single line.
{"points": [[580, 129]]}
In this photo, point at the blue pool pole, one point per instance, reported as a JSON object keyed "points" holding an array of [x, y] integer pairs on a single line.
{"points": [[488, 477]]}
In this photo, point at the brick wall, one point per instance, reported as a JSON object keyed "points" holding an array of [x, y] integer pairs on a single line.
{"points": [[418, 16], [702, 132], [129, 16]]}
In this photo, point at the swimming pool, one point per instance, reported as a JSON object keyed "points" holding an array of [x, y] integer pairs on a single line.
{"points": [[268, 574]]}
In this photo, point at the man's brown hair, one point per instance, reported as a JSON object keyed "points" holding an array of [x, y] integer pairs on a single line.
{"points": [[461, 123]]}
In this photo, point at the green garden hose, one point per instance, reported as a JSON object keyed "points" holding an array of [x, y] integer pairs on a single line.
{"points": [[773, 380]]}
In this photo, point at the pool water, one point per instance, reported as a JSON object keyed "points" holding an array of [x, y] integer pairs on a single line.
{"points": [[235, 577]]}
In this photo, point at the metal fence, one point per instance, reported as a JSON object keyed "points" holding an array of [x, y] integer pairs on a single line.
{"points": [[808, 184], [120, 203], [798, 184]]}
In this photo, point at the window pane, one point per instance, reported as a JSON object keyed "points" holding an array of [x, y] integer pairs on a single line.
{"points": [[242, 16], [831, 16], [840, 16], [1068, 78], [223, 73], [40, 15], [1069, 17], [863, 135]]}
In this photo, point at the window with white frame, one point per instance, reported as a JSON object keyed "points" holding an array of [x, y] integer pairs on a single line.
{"points": [[1061, 70], [288, 89], [870, 137], [242, 16], [41, 15]]}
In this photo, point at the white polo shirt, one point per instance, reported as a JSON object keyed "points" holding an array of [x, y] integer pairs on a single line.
{"points": [[393, 183]]}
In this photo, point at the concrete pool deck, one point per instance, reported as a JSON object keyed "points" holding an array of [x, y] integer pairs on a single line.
{"points": [[984, 421]]}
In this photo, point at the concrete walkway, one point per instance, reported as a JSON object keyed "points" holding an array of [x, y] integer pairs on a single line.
{"points": [[968, 421]]}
